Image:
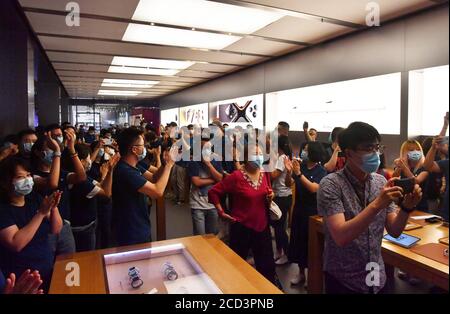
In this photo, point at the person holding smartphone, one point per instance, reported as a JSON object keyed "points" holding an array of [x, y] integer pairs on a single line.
{"points": [[357, 205]]}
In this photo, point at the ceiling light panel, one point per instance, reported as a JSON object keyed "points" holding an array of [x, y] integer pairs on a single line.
{"points": [[118, 92], [128, 83], [152, 63], [142, 71], [204, 14], [177, 37]]}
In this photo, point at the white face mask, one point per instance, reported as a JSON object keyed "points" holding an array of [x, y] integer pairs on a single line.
{"points": [[24, 186]]}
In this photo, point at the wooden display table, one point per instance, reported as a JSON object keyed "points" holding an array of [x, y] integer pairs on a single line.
{"points": [[393, 255], [229, 272]]}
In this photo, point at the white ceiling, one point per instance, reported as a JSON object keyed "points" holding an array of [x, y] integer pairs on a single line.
{"points": [[82, 55]]}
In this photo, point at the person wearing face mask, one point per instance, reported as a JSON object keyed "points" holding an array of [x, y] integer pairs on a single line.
{"points": [[410, 165], [203, 175], [48, 176], [104, 205], [249, 191], [336, 158], [132, 185], [27, 138], [83, 200], [357, 205], [56, 133], [26, 222], [307, 174], [90, 137], [281, 184]]}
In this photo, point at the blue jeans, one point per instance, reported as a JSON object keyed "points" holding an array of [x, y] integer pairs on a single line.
{"points": [[63, 243], [205, 221]]}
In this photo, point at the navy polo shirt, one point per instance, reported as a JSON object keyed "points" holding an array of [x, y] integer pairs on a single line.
{"points": [[83, 202], [131, 217], [63, 186], [37, 254]]}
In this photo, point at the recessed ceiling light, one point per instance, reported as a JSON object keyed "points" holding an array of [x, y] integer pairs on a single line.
{"points": [[128, 83], [142, 71], [118, 92], [151, 63], [204, 14], [177, 37]]}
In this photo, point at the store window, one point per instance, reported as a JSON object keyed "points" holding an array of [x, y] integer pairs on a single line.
{"points": [[428, 100], [375, 100]]}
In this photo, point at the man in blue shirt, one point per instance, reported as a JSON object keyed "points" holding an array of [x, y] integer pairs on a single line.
{"points": [[132, 185]]}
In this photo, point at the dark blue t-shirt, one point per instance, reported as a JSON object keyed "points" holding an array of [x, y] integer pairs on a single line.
{"points": [[306, 200], [83, 203], [443, 164], [63, 186], [37, 254], [131, 217]]}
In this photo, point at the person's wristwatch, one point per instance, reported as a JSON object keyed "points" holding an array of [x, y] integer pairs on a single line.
{"points": [[406, 210]]}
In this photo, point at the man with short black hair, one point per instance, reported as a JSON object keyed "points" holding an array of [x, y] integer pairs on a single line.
{"points": [[283, 128], [132, 184], [27, 138], [357, 205]]}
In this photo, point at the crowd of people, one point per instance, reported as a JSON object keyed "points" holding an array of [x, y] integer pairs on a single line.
{"points": [[65, 189]]}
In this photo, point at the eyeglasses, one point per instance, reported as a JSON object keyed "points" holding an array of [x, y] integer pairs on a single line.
{"points": [[371, 148]]}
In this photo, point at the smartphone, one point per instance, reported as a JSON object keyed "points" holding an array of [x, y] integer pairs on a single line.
{"points": [[305, 125], [433, 220], [404, 240], [107, 141], [406, 184], [341, 154]]}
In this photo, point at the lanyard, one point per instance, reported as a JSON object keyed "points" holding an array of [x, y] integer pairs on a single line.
{"points": [[361, 202]]}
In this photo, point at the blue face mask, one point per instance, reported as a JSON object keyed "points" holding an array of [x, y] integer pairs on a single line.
{"points": [[101, 152], [48, 156], [24, 186], [143, 155], [370, 163], [415, 155], [256, 160], [304, 155], [27, 147], [60, 139]]}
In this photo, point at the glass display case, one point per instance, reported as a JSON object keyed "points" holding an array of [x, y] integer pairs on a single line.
{"points": [[169, 269]]}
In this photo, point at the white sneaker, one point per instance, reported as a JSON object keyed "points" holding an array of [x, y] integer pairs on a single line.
{"points": [[282, 260]]}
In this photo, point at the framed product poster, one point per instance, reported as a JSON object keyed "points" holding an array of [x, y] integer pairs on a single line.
{"points": [[196, 115], [239, 111]]}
